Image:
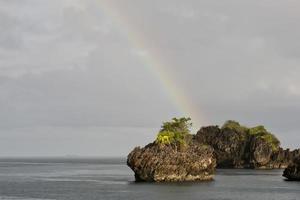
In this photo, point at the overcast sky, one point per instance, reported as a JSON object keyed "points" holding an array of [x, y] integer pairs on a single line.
{"points": [[72, 81]]}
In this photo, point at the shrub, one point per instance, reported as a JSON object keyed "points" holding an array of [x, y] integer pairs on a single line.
{"points": [[165, 137], [175, 131], [234, 125], [181, 125], [258, 130]]}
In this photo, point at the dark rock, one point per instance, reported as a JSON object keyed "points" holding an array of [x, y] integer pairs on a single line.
{"points": [[292, 172], [282, 158], [177, 155], [236, 146], [160, 162], [229, 145], [260, 153]]}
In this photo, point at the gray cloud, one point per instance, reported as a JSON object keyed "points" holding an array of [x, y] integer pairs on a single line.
{"points": [[70, 63]]}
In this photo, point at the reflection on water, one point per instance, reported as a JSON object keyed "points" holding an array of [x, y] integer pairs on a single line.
{"points": [[111, 179]]}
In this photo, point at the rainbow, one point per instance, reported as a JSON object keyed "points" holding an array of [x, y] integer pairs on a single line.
{"points": [[153, 62]]}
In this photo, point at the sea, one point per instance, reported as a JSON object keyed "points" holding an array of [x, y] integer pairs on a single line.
{"points": [[111, 179]]}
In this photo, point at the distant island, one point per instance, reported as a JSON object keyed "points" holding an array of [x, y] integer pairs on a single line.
{"points": [[178, 155]]}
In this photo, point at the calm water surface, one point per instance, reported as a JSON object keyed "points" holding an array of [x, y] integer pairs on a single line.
{"points": [[111, 179]]}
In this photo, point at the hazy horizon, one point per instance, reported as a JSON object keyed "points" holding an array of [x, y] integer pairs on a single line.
{"points": [[98, 77]]}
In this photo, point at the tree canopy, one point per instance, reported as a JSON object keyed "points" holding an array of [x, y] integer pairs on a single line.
{"points": [[174, 131]]}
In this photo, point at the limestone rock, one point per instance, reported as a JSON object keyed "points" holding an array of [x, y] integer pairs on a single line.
{"points": [[168, 163], [292, 172], [236, 146]]}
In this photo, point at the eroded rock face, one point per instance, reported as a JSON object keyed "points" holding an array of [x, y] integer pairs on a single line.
{"points": [[238, 149], [260, 153], [229, 146], [292, 172], [159, 163]]}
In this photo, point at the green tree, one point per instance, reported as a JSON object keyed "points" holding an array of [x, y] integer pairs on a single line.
{"points": [[234, 125], [175, 131], [182, 125]]}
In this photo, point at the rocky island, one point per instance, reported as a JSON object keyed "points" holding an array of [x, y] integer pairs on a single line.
{"points": [[292, 172], [173, 156], [238, 146], [178, 155]]}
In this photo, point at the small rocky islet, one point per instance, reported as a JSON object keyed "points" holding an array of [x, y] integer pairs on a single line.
{"points": [[292, 172], [160, 163], [177, 155], [173, 156]]}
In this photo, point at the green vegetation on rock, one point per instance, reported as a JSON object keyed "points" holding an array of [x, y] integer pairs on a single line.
{"points": [[234, 125], [165, 137], [258, 132], [174, 132], [261, 132]]}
